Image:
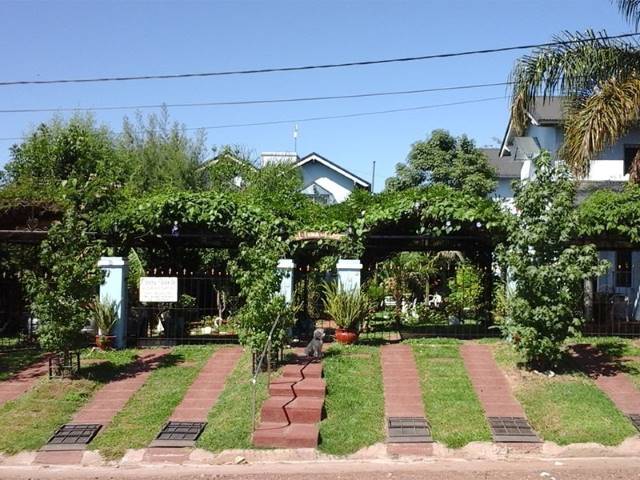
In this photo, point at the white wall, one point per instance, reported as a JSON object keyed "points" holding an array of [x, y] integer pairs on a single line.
{"points": [[608, 165], [338, 185]]}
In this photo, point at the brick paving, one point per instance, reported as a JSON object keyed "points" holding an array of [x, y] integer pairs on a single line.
{"points": [[106, 403], [22, 381], [290, 415], [197, 402], [205, 389], [402, 394], [608, 375], [489, 382]]}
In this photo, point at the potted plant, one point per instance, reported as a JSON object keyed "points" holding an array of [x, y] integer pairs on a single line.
{"points": [[105, 314], [348, 309]]}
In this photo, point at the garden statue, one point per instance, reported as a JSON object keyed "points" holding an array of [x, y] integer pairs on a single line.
{"points": [[314, 348]]}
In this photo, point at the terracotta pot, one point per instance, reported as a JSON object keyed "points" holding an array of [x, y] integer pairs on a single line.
{"points": [[346, 336], [105, 342]]}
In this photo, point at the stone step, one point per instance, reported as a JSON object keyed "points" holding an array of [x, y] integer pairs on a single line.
{"points": [[311, 370], [285, 409], [309, 387], [281, 435]]}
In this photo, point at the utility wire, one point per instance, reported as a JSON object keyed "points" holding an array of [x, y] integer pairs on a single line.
{"points": [[328, 117], [312, 67], [256, 102]]}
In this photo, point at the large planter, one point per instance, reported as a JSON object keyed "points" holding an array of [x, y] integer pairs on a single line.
{"points": [[105, 342], [346, 336]]}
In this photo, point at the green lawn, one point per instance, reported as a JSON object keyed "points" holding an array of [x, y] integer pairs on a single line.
{"points": [[137, 424], [355, 399], [28, 422], [451, 405], [13, 361], [567, 408], [229, 423]]}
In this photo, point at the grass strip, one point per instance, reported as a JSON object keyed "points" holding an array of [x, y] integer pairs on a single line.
{"points": [[229, 423], [27, 422], [451, 405], [355, 399], [567, 408], [138, 423]]}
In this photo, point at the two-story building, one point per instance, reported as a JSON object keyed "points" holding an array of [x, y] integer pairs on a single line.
{"points": [[619, 289]]}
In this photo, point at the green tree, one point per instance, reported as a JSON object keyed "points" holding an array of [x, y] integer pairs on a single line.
{"points": [[547, 268], [161, 153], [600, 79], [230, 170], [444, 159], [60, 150], [63, 288]]}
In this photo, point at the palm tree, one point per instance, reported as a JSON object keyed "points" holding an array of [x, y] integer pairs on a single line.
{"points": [[600, 78]]}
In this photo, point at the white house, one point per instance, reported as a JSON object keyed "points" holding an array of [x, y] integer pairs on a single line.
{"points": [[323, 180], [620, 287]]}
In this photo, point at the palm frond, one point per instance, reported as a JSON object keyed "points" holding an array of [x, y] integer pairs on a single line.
{"points": [[600, 120], [631, 10], [570, 69]]}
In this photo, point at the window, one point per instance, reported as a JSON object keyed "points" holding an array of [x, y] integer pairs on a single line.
{"points": [[630, 152], [623, 268]]}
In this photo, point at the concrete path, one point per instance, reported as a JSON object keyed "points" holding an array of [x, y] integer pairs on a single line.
{"points": [[107, 402], [22, 381], [198, 401], [402, 393], [609, 377]]}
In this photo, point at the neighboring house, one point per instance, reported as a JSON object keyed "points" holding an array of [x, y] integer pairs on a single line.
{"points": [[618, 291], [507, 170], [323, 180]]}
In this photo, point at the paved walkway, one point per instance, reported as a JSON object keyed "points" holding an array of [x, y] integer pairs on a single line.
{"points": [[402, 393], [198, 401], [107, 402], [489, 382], [22, 381], [609, 377]]}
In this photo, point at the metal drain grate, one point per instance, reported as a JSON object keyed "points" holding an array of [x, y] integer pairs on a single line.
{"points": [[179, 434], [635, 419], [409, 430], [72, 437], [512, 429]]}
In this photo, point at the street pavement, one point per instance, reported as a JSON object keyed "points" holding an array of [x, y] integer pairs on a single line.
{"points": [[522, 469]]}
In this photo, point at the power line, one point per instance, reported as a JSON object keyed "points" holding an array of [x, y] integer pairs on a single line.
{"points": [[347, 115], [256, 102], [328, 117], [313, 67]]}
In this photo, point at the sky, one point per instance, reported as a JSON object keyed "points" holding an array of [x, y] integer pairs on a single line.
{"points": [[77, 39]]}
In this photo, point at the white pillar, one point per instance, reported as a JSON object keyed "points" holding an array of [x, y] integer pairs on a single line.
{"points": [[635, 284], [114, 289], [286, 268], [349, 273]]}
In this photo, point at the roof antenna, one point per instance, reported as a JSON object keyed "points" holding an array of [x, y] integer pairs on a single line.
{"points": [[295, 139]]}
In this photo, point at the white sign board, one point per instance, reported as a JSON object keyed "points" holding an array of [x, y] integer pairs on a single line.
{"points": [[159, 289]]}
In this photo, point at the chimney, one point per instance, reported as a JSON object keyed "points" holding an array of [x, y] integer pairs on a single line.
{"points": [[267, 158]]}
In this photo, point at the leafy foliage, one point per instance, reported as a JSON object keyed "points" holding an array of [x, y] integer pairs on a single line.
{"points": [[63, 291], [548, 270], [606, 212], [444, 159]]}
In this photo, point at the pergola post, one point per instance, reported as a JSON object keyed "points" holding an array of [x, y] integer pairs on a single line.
{"points": [[114, 289], [286, 267], [349, 273]]}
